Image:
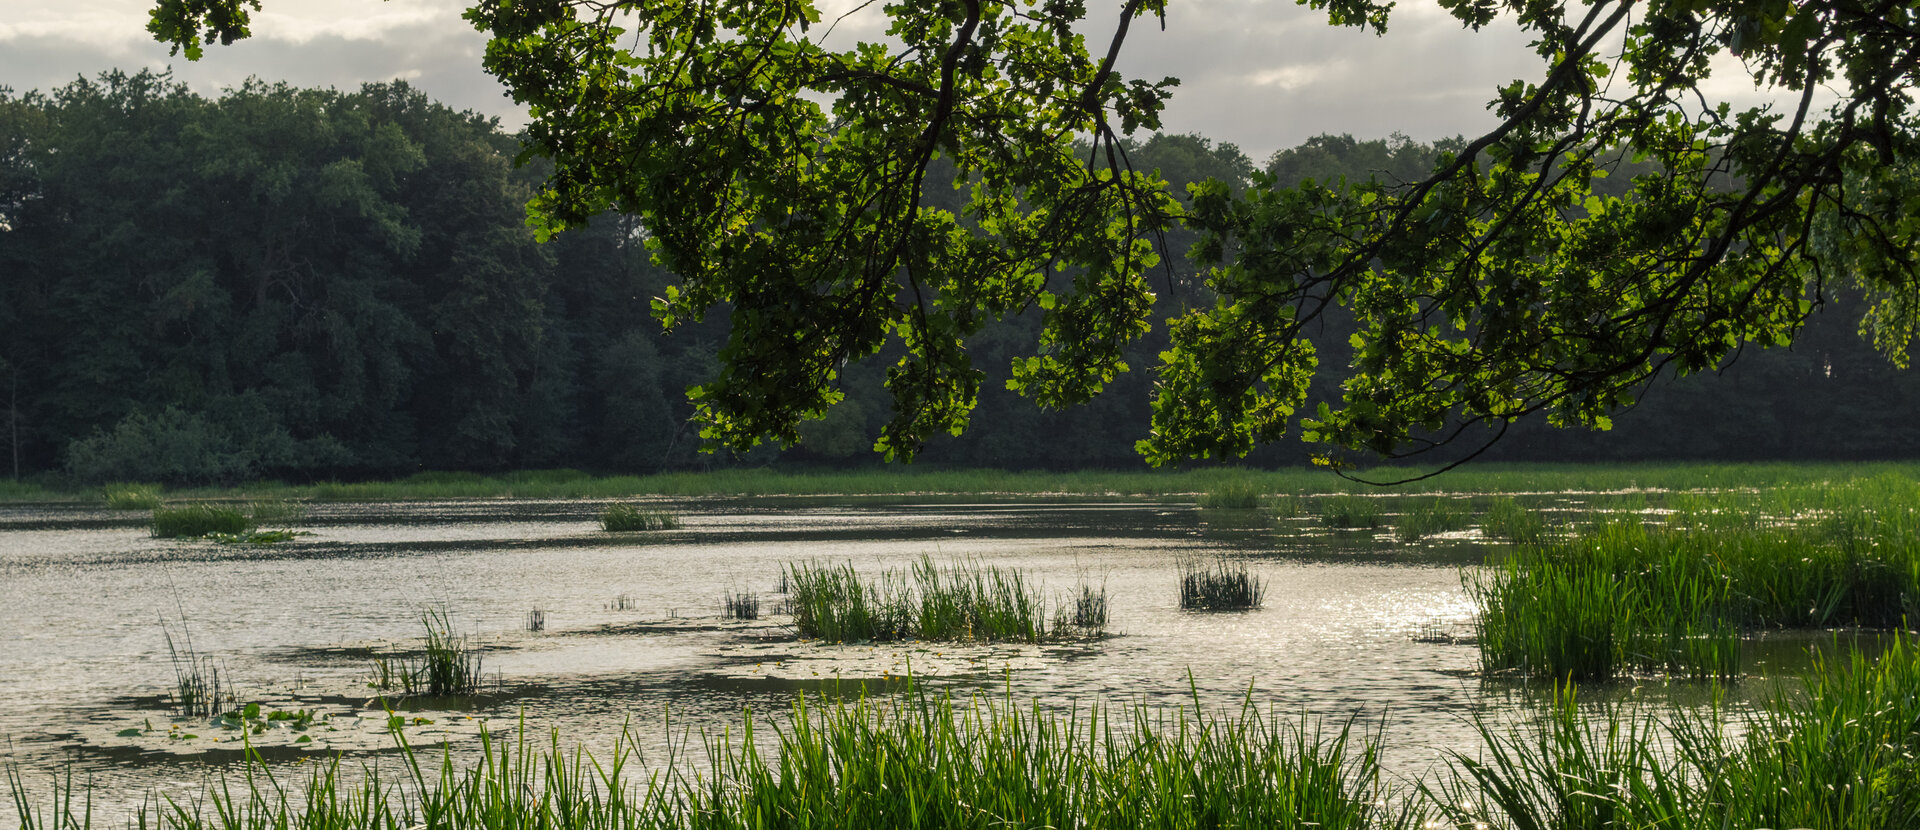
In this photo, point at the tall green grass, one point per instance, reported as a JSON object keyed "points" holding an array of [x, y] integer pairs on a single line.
{"points": [[626, 518], [962, 601], [130, 496], [447, 665], [912, 760], [1233, 495], [1219, 585], [1350, 512], [197, 520], [1432, 517], [1508, 519]]}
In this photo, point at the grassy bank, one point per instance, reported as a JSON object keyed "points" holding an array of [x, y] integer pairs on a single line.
{"points": [[1231, 485], [1624, 595], [1838, 754]]}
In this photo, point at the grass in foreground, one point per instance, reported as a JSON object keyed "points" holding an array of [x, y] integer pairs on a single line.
{"points": [[963, 601], [1841, 754], [1222, 585], [627, 518]]}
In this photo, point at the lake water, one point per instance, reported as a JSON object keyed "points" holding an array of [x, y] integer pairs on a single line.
{"points": [[635, 639]]}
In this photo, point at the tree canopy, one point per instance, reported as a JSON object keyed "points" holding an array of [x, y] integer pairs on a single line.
{"points": [[796, 187]]}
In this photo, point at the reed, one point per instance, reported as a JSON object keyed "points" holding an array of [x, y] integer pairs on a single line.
{"points": [[1221, 585], [1432, 517], [1083, 612], [962, 601], [447, 665], [741, 606], [536, 620], [198, 520], [627, 518], [126, 496], [198, 689], [1508, 519], [1350, 512], [1233, 495]]}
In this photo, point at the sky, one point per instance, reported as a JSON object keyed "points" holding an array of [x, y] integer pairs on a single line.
{"points": [[1262, 74]]}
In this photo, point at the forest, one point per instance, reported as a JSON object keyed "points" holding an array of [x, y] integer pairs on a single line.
{"points": [[314, 284]]}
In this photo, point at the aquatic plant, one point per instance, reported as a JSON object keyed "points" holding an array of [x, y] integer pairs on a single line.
{"points": [[1508, 519], [536, 620], [740, 606], [625, 518], [1219, 585], [196, 520], [277, 512], [1438, 515], [1350, 512], [1083, 612], [447, 665], [962, 601], [198, 689], [125, 496], [1233, 495], [623, 602]]}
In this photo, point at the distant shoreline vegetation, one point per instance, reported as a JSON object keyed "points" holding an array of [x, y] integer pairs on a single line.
{"points": [[933, 482]]}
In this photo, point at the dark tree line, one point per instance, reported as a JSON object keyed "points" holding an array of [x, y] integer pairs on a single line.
{"points": [[307, 283]]}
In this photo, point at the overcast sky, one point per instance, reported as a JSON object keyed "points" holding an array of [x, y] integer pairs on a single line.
{"points": [[1263, 74]]}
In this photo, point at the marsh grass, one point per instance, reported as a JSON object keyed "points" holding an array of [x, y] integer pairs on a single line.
{"points": [[1432, 517], [198, 689], [536, 620], [623, 602], [1507, 519], [198, 520], [1350, 512], [447, 665], [1083, 612], [1219, 585], [964, 601], [627, 518], [277, 512], [128, 496], [740, 606], [1233, 495], [905, 760]]}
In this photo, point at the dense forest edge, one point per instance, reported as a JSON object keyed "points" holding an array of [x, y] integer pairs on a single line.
{"points": [[314, 285]]}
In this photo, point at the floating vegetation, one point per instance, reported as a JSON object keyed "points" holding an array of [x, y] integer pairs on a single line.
{"points": [[1219, 585], [446, 667], [125, 496], [1432, 517], [963, 601], [536, 620], [623, 602], [1234, 495], [199, 520], [1350, 512], [1508, 519], [741, 606], [255, 537], [625, 518]]}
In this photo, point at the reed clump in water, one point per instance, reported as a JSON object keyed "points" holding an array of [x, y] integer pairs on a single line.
{"points": [[1219, 585], [1234, 495], [447, 665], [198, 689], [199, 520], [627, 518], [1083, 612], [1350, 513], [744, 605], [1436, 516], [1508, 519], [964, 601]]}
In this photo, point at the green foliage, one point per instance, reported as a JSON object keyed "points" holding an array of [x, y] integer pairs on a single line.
{"points": [[1350, 512], [123, 496], [1439, 515], [961, 602], [447, 665], [1234, 495], [627, 518], [197, 520], [1508, 519], [1222, 585], [1083, 611]]}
